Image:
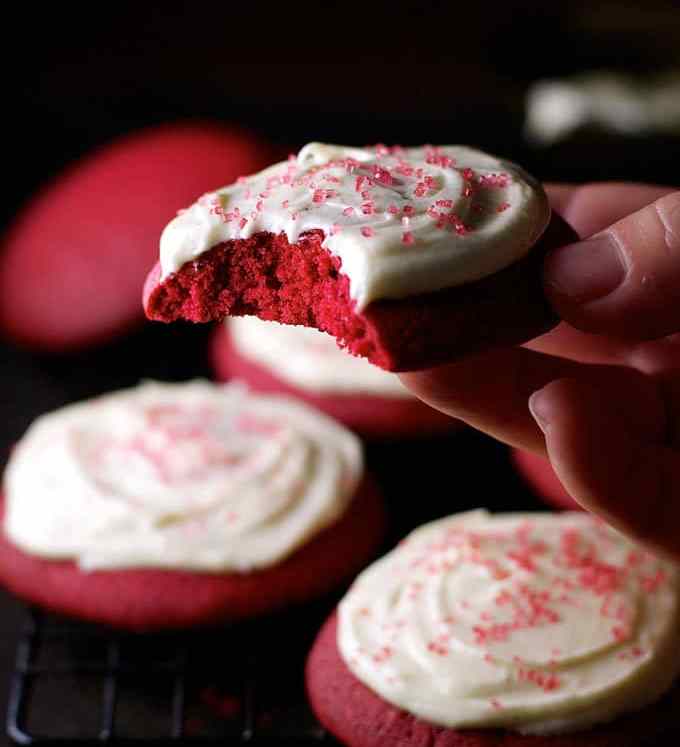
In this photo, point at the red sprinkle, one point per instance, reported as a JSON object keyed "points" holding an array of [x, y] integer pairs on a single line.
{"points": [[367, 232], [407, 238]]}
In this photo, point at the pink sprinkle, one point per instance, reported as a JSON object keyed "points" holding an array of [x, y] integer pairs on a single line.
{"points": [[382, 175], [259, 205], [359, 183], [444, 203], [242, 223], [409, 210], [367, 232], [407, 238], [502, 207], [367, 208], [496, 704], [393, 209], [348, 211], [285, 204], [619, 633]]}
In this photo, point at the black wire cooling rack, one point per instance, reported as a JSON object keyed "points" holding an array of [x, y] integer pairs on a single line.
{"points": [[77, 684]]}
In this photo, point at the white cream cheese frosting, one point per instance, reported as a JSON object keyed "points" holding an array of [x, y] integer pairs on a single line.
{"points": [[309, 359], [190, 476], [402, 221], [539, 623]]}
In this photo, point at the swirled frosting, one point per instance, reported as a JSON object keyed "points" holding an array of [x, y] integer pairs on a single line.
{"points": [[309, 359], [183, 476], [540, 623], [403, 221]]}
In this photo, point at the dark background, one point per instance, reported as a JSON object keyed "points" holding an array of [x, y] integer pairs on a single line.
{"points": [[76, 76]]}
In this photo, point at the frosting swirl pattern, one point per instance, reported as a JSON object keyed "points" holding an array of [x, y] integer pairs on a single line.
{"points": [[183, 476], [310, 359], [403, 221], [541, 623]]}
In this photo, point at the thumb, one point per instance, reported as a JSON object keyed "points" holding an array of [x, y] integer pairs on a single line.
{"points": [[625, 280], [622, 472]]}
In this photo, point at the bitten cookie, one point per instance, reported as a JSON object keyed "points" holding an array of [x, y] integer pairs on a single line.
{"points": [[308, 364], [73, 262], [515, 630], [410, 257], [541, 478], [170, 505]]}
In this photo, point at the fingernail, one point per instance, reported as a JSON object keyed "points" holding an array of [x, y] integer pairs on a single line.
{"points": [[587, 270], [539, 409]]}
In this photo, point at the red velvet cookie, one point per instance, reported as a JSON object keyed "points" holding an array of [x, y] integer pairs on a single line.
{"points": [[370, 415], [150, 599], [167, 505], [405, 267], [539, 474], [73, 262], [360, 718]]}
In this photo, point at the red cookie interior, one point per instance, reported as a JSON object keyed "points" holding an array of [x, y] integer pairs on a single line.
{"points": [[303, 283], [74, 260], [372, 416], [360, 718], [539, 474], [152, 599]]}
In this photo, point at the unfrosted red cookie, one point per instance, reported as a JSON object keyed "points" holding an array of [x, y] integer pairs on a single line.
{"points": [[360, 718], [539, 474], [150, 599], [409, 257], [73, 262], [370, 415]]}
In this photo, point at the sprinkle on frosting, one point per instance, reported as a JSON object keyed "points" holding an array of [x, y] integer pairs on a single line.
{"points": [[468, 213], [185, 476], [539, 623]]}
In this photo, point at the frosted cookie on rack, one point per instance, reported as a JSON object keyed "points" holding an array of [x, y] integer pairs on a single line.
{"points": [[309, 365], [170, 505], [509, 630], [410, 257]]}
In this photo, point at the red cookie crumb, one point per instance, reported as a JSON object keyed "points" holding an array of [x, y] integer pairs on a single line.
{"points": [[359, 718], [152, 599], [303, 283], [370, 415], [539, 474], [74, 260]]}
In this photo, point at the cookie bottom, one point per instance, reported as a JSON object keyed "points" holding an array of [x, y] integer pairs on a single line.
{"points": [[153, 599]]}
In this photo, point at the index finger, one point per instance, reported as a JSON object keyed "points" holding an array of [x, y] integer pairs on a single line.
{"points": [[590, 208]]}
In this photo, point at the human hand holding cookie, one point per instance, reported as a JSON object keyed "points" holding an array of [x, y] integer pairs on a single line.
{"points": [[599, 393]]}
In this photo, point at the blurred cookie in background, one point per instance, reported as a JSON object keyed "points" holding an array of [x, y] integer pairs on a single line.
{"points": [[308, 364], [73, 261], [173, 505]]}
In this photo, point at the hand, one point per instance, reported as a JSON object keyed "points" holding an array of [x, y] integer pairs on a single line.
{"points": [[600, 394]]}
